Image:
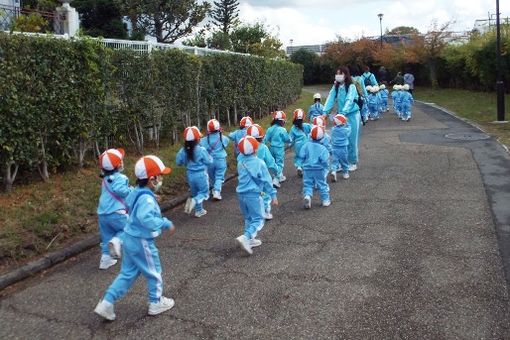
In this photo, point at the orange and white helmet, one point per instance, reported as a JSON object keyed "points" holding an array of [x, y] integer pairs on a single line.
{"points": [[248, 145], [111, 159], [299, 114], [192, 133], [256, 131], [317, 132], [319, 121], [150, 166], [246, 122], [279, 115], [339, 119], [213, 126]]}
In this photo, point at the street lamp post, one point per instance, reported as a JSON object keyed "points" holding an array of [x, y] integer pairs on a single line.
{"points": [[500, 86], [380, 15]]}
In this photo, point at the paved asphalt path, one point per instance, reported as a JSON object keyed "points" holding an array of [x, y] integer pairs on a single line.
{"points": [[408, 249]]}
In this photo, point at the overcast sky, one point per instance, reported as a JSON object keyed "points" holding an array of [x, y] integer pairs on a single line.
{"points": [[319, 21]]}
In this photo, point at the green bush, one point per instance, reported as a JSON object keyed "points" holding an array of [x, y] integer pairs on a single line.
{"points": [[62, 99]]}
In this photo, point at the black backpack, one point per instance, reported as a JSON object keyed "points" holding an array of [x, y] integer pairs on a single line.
{"points": [[367, 80]]}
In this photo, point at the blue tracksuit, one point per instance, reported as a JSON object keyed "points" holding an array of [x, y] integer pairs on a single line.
{"points": [[373, 106], [347, 106], [370, 76], [196, 171], [264, 154], [112, 210], [139, 252], [340, 141], [298, 137], [399, 102], [394, 96], [216, 147], [235, 137], [277, 137], [315, 110], [364, 108], [384, 98], [254, 179], [315, 159], [407, 104]]}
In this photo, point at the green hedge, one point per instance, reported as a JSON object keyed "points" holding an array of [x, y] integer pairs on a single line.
{"points": [[63, 101]]}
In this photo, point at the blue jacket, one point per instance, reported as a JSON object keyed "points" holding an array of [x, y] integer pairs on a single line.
{"points": [[277, 136], [344, 100], [373, 100], [201, 160], [264, 154], [118, 185], [145, 219], [384, 93], [340, 135], [254, 178], [315, 110], [407, 99], [298, 136], [314, 156], [236, 136], [370, 76], [215, 147], [326, 141], [399, 98]]}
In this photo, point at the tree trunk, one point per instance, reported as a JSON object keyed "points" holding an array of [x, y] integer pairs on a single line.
{"points": [[433, 74], [10, 175], [43, 164], [81, 152], [228, 117], [235, 114]]}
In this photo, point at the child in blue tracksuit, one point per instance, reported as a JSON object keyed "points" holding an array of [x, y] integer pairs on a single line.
{"points": [[394, 95], [257, 132], [298, 136], [315, 159], [399, 101], [373, 104], [112, 210], [326, 141], [216, 145], [340, 141], [236, 135], [139, 252], [316, 108], [384, 98], [254, 179], [197, 161], [277, 137], [407, 103]]}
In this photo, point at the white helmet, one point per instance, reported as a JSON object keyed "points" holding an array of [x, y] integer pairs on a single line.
{"points": [[405, 87], [382, 87], [369, 88], [376, 88], [317, 96]]}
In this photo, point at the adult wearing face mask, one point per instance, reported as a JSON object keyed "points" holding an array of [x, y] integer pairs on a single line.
{"points": [[344, 94]]}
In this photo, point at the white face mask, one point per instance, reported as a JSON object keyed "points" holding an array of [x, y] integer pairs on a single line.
{"points": [[340, 78]]}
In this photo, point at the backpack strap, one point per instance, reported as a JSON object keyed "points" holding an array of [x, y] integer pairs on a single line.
{"points": [[115, 196]]}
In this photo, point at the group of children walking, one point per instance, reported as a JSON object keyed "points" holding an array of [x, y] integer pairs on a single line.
{"points": [[130, 218], [402, 102]]}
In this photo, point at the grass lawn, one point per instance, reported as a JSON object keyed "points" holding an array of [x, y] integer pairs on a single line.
{"points": [[40, 217], [478, 107]]}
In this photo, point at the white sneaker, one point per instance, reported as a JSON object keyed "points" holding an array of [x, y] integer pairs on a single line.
{"points": [[216, 195], [326, 203], [333, 176], [255, 243], [245, 244], [106, 261], [200, 213], [307, 202], [192, 204], [187, 205], [300, 171], [105, 309], [276, 183], [346, 175], [353, 167], [282, 178], [163, 305], [115, 248], [268, 216]]}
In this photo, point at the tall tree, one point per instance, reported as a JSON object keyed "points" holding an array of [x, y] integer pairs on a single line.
{"points": [[101, 18], [225, 14], [167, 20], [400, 30]]}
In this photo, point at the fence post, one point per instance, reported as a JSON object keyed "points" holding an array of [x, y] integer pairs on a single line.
{"points": [[68, 20]]}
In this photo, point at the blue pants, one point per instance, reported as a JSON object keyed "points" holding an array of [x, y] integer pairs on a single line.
{"points": [[406, 111], [252, 207], [373, 111], [297, 147], [352, 149], [364, 109], [267, 202], [199, 184], [339, 159], [111, 225], [311, 178], [217, 173], [279, 158], [139, 256], [384, 104]]}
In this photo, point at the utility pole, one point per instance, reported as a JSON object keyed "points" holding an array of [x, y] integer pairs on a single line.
{"points": [[380, 15], [500, 86]]}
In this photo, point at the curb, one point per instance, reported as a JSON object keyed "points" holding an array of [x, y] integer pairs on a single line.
{"points": [[465, 120], [51, 259]]}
